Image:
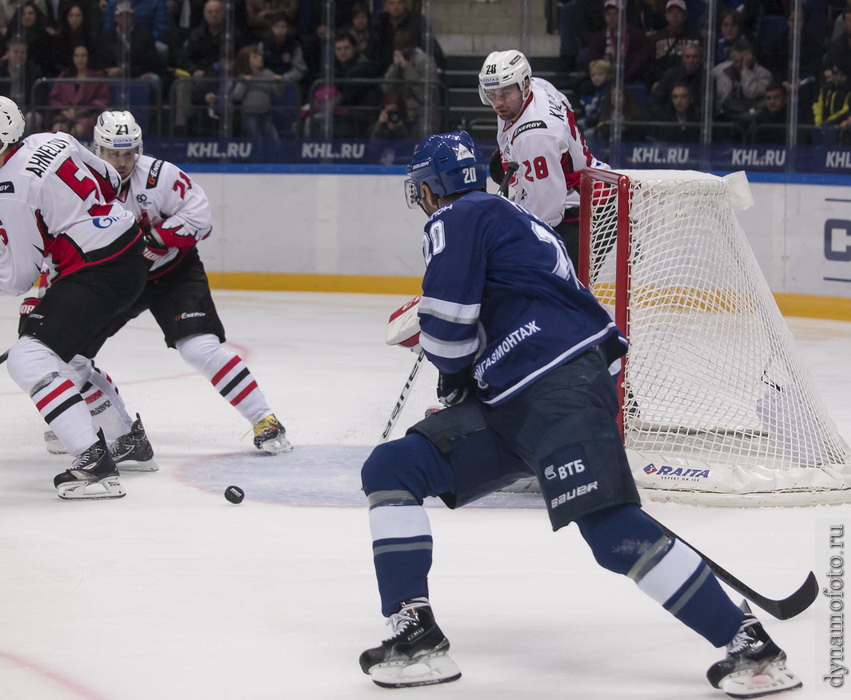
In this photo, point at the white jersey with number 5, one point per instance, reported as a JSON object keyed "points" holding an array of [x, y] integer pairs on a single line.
{"points": [[57, 209], [547, 144], [172, 205]]}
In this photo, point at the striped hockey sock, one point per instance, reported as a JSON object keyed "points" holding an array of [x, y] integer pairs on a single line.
{"points": [[64, 410], [228, 374], [401, 549]]}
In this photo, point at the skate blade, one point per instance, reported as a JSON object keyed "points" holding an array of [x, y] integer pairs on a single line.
{"points": [[426, 670], [109, 487], [775, 678], [277, 446], [134, 465]]}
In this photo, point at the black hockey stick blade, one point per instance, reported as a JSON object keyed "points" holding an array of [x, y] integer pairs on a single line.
{"points": [[403, 398], [510, 169], [782, 609]]}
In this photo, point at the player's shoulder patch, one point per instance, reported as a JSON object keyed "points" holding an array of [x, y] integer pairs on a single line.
{"points": [[153, 174], [527, 126], [7, 187]]}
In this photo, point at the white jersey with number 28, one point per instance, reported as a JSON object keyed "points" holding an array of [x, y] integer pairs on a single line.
{"points": [[551, 151]]}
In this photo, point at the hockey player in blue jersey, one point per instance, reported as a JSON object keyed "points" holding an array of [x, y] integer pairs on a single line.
{"points": [[524, 354]]}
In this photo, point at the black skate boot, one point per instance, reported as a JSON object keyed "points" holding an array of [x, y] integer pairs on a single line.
{"points": [[416, 654], [754, 666], [92, 475], [133, 450], [270, 436]]}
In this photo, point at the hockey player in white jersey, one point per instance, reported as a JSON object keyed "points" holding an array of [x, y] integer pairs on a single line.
{"points": [[524, 351], [174, 214], [537, 129], [57, 212]]}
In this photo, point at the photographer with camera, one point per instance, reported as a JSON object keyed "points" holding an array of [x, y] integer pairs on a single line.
{"points": [[409, 74], [393, 121]]}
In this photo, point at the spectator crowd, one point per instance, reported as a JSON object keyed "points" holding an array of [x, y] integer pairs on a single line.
{"points": [[64, 61], [663, 47], [266, 67]]}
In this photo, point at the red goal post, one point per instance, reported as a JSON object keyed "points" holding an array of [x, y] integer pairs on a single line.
{"points": [[717, 406]]}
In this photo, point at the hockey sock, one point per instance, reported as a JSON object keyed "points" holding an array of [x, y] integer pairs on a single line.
{"points": [[624, 540], [396, 478], [39, 371], [101, 396], [228, 374], [401, 549]]}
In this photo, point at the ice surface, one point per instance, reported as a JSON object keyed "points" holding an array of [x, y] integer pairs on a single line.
{"points": [[172, 592]]}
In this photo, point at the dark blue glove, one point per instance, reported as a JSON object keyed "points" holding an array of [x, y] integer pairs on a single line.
{"points": [[454, 388]]}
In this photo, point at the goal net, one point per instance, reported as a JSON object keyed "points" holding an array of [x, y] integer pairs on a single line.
{"points": [[717, 406]]}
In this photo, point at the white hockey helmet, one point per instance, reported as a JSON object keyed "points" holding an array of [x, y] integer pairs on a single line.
{"points": [[118, 131], [12, 123], [502, 68]]}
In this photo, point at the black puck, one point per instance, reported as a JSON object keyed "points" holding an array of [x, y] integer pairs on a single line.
{"points": [[234, 494]]}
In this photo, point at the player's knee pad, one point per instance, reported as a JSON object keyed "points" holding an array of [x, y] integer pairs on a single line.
{"points": [[31, 363], [404, 472], [199, 351], [620, 536]]}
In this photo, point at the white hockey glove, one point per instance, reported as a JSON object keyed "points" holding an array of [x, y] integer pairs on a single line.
{"points": [[403, 328]]}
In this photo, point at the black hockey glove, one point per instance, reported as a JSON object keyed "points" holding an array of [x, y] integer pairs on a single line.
{"points": [[154, 249], [454, 388], [495, 169], [27, 307]]}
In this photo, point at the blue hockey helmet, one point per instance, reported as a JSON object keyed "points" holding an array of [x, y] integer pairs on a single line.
{"points": [[448, 164]]}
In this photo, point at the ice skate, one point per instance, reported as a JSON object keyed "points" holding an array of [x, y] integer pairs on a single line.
{"points": [[416, 654], [270, 436], [92, 475], [133, 450], [52, 443], [755, 665]]}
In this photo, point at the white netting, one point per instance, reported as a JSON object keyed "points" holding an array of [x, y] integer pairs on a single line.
{"points": [[717, 403]]}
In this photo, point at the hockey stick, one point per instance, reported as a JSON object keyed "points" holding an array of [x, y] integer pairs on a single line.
{"points": [[782, 609], [510, 168], [4, 357], [403, 398]]}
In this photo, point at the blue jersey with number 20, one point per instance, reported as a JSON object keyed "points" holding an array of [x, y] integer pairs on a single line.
{"points": [[501, 295]]}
